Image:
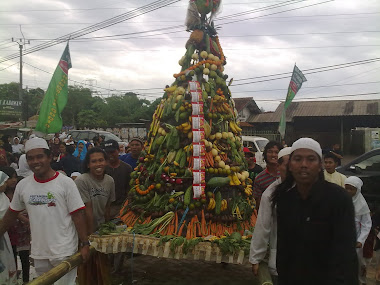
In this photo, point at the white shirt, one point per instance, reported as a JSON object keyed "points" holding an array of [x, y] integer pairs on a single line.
{"points": [[49, 205], [363, 225], [265, 231], [17, 148]]}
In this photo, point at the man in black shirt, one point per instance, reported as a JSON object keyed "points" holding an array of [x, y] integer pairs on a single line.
{"points": [[253, 168], [316, 230], [121, 174]]}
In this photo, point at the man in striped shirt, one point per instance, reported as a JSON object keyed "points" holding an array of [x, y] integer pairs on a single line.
{"points": [[270, 173]]}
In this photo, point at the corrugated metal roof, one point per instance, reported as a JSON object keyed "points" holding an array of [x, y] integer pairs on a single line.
{"points": [[320, 109]]}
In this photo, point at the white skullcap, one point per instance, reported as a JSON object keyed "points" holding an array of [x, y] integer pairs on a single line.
{"points": [[32, 136], [307, 143], [76, 174], [3, 178], [284, 151], [354, 181], [35, 143]]}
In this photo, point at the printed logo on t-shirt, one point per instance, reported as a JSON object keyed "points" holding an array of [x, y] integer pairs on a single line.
{"points": [[48, 199], [94, 192]]}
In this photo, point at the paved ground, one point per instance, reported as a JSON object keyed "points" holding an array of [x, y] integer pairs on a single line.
{"points": [[151, 270], [160, 271]]}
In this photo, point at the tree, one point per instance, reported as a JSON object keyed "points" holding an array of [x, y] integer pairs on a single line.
{"points": [[79, 99], [90, 119], [127, 108]]}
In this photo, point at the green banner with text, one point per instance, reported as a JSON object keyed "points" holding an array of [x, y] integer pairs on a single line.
{"points": [[49, 119], [295, 84]]}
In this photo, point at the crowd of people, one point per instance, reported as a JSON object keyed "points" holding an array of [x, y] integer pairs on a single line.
{"points": [[56, 193]]}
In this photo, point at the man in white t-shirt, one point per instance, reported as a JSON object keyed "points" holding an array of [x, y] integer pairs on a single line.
{"points": [[55, 210]]}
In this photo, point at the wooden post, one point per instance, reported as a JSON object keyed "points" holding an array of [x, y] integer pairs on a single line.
{"points": [[60, 270]]}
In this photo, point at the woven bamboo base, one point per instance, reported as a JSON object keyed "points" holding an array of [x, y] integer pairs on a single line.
{"points": [[147, 245]]}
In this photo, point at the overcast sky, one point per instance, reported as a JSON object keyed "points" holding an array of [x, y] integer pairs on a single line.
{"points": [[256, 44]]}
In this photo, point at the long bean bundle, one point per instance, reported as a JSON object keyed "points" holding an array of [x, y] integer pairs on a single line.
{"points": [[146, 229]]}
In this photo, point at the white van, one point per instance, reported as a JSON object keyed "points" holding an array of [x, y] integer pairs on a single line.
{"points": [[256, 145]]}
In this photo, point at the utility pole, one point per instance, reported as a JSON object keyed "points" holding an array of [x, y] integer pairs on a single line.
{"points": [[21, 43], [25, 105]]}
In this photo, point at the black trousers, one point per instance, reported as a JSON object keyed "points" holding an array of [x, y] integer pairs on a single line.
{"points": [[25, 264]]}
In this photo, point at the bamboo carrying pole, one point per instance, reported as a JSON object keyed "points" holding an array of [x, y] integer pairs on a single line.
{"points": [[264, 275], [60, 270]]}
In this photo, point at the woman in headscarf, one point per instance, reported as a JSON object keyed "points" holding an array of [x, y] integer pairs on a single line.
{"points": [[363, 221], [80, 151], [8, 272], [23, 167], [17, 147]]}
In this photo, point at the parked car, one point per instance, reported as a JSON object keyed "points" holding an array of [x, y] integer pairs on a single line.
{"points": [[367, 168], [90, 134], [256, 145]]}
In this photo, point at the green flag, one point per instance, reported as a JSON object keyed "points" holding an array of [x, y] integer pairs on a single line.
{"points": [[50, 120], [295, 84]]}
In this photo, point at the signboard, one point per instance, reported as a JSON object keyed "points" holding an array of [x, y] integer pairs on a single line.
{"points": [[11, 108]]}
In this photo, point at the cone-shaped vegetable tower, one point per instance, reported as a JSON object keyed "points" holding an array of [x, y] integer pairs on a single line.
{"points": [[192, 180]]}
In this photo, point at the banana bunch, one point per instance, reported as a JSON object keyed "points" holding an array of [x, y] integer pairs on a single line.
{"points": [[187, 105], [223, 206], [171, 89], [248, 190], [219, 99], [235, 128], [185, 127], [236, 212], [211, 204], [234, 180], [148, 157]]}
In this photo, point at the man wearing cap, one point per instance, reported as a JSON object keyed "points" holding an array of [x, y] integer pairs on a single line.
{"points": [[253, 168], [136, 145], [316, 234], [266, 225], [270, 173], [120, 172], [55, 211]]}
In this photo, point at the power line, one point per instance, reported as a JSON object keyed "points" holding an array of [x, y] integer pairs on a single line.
{"points": [[104, 24], [283, 89], [310, 87], [321, 97], [82, 83], [269, 100], [177, 21], [115, 8], [293, 9], [224, 36], [273, 48], [9, 66], [285, 3], [132, 14], [365, 61]]}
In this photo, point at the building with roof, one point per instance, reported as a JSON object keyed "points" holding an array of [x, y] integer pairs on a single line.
{"points": [[246, 107], [326, 121]]}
